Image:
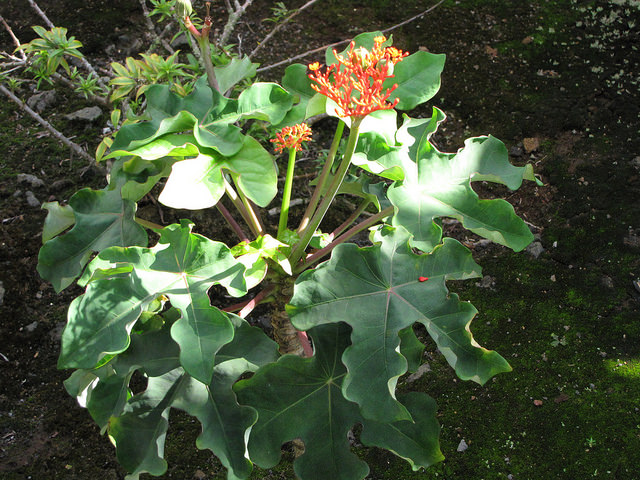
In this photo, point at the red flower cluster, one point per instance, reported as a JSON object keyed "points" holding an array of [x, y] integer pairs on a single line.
{"points": [[355, 82], [292, 137]]}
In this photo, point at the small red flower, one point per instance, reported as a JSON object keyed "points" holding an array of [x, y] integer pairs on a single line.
{"points": [[423, 279], [292, 137], [355, 82]]}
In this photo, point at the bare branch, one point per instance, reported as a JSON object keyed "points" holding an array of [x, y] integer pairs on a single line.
{"points": [[13, 37], [43, 15], [56, 133], [320, 49], [234, 16], [279, 26]]}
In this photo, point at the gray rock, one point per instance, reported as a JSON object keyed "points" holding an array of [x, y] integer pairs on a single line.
{"points": [[462, 446], [31, 199], [87, 114], [32, 180], [486, 282], [32, 326], [535, 249], [422, 369], [2, 290], [40, 101]]}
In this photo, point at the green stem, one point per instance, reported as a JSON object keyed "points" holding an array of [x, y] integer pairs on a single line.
{"points": [[286, 194], [300, 247], [237, 202], [255, 219], [205, 48], [148, 224], [323, 178], [311, 259]]}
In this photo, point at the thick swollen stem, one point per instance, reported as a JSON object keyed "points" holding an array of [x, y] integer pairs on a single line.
{"points": [[286, 194], [311, 259], [323, 178], [300, 247]]}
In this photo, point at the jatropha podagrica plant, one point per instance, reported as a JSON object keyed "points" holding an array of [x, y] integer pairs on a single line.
{"points": [[342, 315]]}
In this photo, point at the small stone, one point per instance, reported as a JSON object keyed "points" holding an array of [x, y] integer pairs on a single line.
{"points": [[462, 446], [87, 114], [535, 249], [199, 475], [31, 199], [538, 403], [531, 144], [424, 368], [32, 180], [553, 278], [61, 184], [486, 282], [32, 326], [607, 282], [527, 40], [2, 290], [40, 101], [563, 397], [516, 151]]}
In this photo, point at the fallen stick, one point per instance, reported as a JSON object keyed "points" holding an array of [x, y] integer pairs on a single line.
{"points": [[56, 133]]}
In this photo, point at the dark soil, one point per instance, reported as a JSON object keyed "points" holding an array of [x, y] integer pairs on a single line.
{"points": [[557, 81]]}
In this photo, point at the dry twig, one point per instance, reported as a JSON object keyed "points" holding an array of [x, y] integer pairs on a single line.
{"points": [[332, 45], [56, 133], [279, 26]]}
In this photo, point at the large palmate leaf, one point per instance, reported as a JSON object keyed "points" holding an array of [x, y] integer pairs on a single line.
{"points": [[182, 266], [138, 424], [205, 113], [102, 219], [139, 432], [302, 398], [380, 291], [439, 185]]}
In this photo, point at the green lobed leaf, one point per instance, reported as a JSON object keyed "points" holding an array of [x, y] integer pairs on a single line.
{"points": [[253, 169], [59, 218], [418, 79], [205, 112], [307, 101], [181, 266], [378, 292], [415, 441], [300, 398], [139, 433], [102, 219], [439, 185], [235, 71]]}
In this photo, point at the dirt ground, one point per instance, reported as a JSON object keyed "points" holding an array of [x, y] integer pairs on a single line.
{"points": [[556, 81]]}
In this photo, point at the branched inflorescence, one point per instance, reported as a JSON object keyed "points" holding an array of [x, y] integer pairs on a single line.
{"points": [[292, 137], [355, 83]]}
